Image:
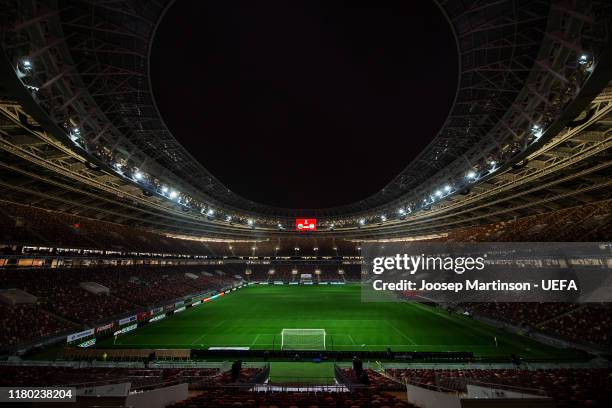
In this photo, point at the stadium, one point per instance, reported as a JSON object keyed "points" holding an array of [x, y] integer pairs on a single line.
{"points": [[306, 204]]}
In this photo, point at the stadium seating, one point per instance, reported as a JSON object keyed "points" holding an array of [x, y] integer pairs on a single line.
{"points": [[228, 398], [63, 305], [568, 387], [586, 323], [23, 323], [48, 375], [590, 323], [26, 225]]}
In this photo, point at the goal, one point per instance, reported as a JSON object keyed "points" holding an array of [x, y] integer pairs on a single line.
{"points": [[303, 339]]}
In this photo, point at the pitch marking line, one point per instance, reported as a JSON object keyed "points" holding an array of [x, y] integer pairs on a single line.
{"points": [[255, 341], [400, 333], [351, 338], [208, 332]]}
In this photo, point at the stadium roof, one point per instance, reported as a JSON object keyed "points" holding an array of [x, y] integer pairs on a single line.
{"points": [[78, 70]]}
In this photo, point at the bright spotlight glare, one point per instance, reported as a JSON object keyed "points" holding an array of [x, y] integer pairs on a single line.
{"points": [[537, 131], [210, 212], [174, 194], [447, 188], [138, 175]]}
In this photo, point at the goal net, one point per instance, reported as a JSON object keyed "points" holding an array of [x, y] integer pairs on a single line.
{"points": [[303, 339]]}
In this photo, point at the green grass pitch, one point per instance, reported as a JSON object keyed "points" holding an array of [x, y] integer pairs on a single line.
{"points": [[254, 317]]}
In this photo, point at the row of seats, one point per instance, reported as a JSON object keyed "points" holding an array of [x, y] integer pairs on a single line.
{"points": [[20, 224], [587, 223], [64, 305], [590, 323], [35, 376], [27, 323], [570, 388], [223, 397], [27, 225]]}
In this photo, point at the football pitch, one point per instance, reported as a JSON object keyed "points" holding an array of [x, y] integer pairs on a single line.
{"points": [[253, 317]]}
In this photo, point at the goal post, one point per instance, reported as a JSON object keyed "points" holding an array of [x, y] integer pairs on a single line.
{"points": [[303, 339]]}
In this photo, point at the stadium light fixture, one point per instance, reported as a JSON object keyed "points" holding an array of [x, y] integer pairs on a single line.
{"points": [[138, 175], [210, 212], [471, 175], [537, 131], [362, 221], [584, 59], [447, 188], [383, 218], [439, 193], [401, 211], [174, 194], [75, 134], [164, 189], [493, 165], [250, 222], [315, 249], [228, 218], [27, 64]]}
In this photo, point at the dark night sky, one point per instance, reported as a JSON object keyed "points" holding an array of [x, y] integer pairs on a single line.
{"points": [[304, 104]]}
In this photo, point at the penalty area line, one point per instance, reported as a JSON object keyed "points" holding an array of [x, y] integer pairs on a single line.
{"points": [[208, 332], [400, 333]]}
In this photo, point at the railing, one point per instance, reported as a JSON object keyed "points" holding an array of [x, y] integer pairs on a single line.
{"points": [[260, 376], [341, 378]]}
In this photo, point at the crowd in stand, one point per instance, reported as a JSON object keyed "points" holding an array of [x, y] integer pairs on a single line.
{"points": [[570, 388]]}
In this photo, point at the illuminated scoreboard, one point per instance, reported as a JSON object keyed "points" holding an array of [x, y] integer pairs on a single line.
{"points": [[306, 224]]}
